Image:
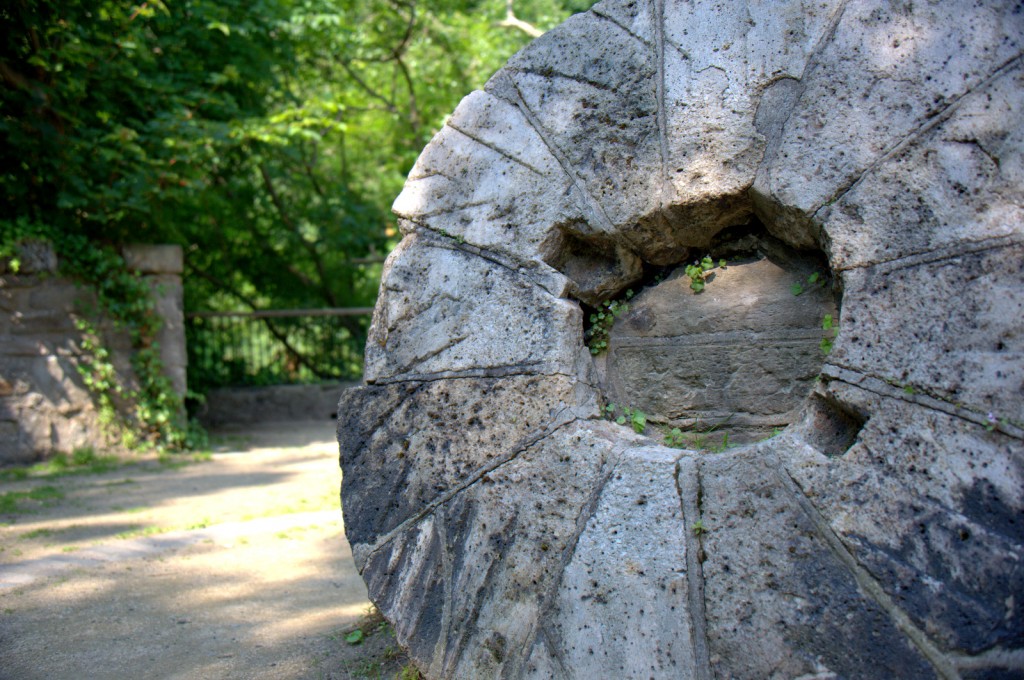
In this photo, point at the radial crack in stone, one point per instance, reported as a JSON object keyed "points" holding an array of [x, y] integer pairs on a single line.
{"points": [[972, 355], [933, 509], [919, 58], [625, 580], [601, 119], [439, 293], [493, 146], [413, 443], [507, 536], [757, 536]]}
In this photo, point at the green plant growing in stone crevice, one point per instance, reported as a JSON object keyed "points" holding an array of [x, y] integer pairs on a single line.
{"points": [[624, 415], [602, 320], [815, 279], [697, 438], [677, 439], [828, 324], [698, 272]]}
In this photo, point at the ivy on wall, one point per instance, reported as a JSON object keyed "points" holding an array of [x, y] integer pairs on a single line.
{"points": [[145, 411]]}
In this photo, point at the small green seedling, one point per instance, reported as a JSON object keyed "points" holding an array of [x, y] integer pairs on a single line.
{"points": [[723, 446], [603, 319], [698, 528], [827, 324], [355, 637], [992, 422], [635, 418], [675, 439], [698, 272], [815, 279]]}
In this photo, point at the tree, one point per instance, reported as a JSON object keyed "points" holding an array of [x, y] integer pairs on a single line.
{"points": [[267, 137]]}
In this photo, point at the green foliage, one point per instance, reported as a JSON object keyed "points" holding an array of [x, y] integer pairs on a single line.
{"points": [[993, 422], [266, 137], [698, 528], [80, 461], [815, 279], [602, 320], [829, 326], [623, 415], [409, 672], [698, 272], [26, 501], [697, 439], [155, 413]]}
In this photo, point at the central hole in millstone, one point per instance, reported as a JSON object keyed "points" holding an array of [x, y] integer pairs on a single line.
{"points": [[734, 361]]}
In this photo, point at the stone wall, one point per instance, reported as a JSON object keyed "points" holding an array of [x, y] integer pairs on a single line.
{"points": [[253, 405], [44, 404], [509, 530]]}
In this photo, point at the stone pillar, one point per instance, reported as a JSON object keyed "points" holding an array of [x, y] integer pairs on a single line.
{"points": [[161, 266]]}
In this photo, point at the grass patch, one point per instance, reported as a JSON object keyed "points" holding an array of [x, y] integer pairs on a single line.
{"points": [[143, 531], [38, 533], [176, 461], [84, 460], [28, 501], [121, 482]]}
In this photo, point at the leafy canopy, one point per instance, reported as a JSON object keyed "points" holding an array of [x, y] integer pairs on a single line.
{"points": [[267, 137]]}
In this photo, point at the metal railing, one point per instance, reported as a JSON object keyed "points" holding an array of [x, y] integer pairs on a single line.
{"points": [[275, 347]]}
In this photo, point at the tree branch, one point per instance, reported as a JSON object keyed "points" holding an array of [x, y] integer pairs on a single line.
{"points": [[310, 248], [414, 114], [511, 21], [366, 88]]}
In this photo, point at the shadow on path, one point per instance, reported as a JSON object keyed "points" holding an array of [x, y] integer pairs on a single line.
{"points": [[232, 568]]}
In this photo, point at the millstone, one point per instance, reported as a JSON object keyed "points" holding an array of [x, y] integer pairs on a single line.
{"points": [[859, 166]]}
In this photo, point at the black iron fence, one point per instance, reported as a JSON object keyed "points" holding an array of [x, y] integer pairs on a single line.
{"points": [[275, 347]]}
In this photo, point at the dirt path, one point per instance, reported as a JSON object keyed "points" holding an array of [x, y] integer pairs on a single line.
{"points": [[232, 567]]}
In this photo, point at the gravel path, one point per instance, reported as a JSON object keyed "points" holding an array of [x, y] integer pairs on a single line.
{"points": [[233, 567]]}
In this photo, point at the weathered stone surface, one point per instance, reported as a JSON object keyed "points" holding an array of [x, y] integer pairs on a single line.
{"points": [[623, 604], [508, 532], [935, 506], [775, 588], [971, 354], [579, 87], [444, 310], [476, 576], [490, 145], [936, 190], [425, 440], [886, 74]]}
